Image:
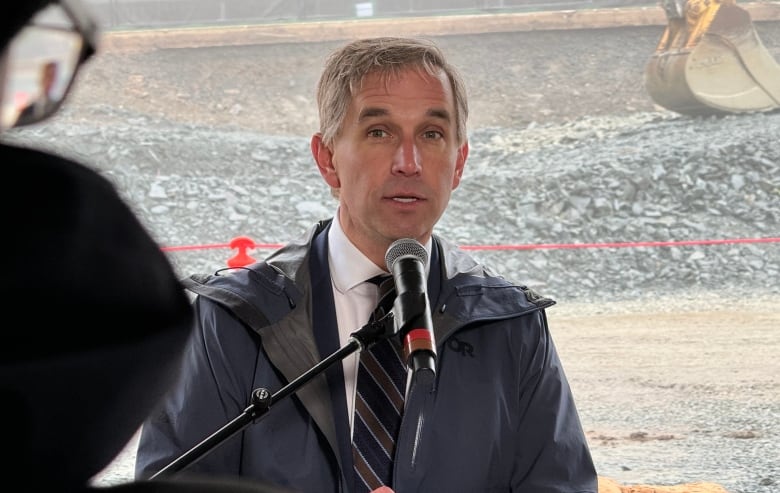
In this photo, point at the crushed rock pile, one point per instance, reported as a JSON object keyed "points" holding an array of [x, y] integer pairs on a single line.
{"points": [[683, 201]]}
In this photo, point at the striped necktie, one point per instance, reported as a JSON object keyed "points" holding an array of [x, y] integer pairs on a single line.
{"points": [[379, 401]]}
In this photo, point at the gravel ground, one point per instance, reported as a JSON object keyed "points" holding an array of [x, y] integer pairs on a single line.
{"points": [[670, 348]]}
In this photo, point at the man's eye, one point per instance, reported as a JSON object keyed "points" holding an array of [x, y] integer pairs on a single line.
{"points": [[433, 134], [377, 133]]}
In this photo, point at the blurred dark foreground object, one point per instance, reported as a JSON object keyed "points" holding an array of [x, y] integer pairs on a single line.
{"points": [[101, 321], [100, 318]]}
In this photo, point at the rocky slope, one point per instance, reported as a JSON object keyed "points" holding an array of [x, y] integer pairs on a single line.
{"points": [[644, 179]]}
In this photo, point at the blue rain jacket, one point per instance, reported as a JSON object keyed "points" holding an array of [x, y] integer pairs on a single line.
{"points": [[498, 417]]}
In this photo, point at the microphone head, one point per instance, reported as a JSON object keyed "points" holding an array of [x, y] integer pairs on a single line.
{"points": [[405, 247]]}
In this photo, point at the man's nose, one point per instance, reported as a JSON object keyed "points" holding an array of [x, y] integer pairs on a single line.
{"points": [[407, 159]]}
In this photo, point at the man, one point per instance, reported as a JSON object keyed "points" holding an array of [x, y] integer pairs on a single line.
{"points": [[43, 102], [499, 415]]}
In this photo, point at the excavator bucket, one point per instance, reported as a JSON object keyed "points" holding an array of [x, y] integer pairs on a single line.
{"points": [[711, 61]]}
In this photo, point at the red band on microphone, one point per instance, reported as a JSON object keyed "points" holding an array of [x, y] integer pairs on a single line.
{"points": [[416, 340]]}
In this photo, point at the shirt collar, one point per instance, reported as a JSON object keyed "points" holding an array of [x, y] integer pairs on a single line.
{"points": [[348, 266]]}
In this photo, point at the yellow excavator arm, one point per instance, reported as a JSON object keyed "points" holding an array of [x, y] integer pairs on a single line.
{"points": [[710, 61]]}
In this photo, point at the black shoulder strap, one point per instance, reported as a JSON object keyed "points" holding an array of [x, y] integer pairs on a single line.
{"points": [[238, 306]]}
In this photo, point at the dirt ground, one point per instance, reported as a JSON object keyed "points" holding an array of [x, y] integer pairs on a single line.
{"points": [[668, 344], [648, 376], [519, 73], [673, 393], [513, 78]]}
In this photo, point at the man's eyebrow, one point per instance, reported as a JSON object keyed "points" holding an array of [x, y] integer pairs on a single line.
{"points": [[439, 113], [370, 112]]}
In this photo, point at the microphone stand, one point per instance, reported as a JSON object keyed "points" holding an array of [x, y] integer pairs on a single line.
{"points": [[381, 326]]}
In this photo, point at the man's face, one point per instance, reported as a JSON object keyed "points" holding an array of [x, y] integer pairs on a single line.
{"points": [[49, 76], [396, 160]]}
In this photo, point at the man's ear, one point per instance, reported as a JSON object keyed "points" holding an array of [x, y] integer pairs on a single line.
{"points": [[323, 156], [460, 163]]}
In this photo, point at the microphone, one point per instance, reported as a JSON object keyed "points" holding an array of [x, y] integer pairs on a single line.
{"points": [[406, 260]]}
